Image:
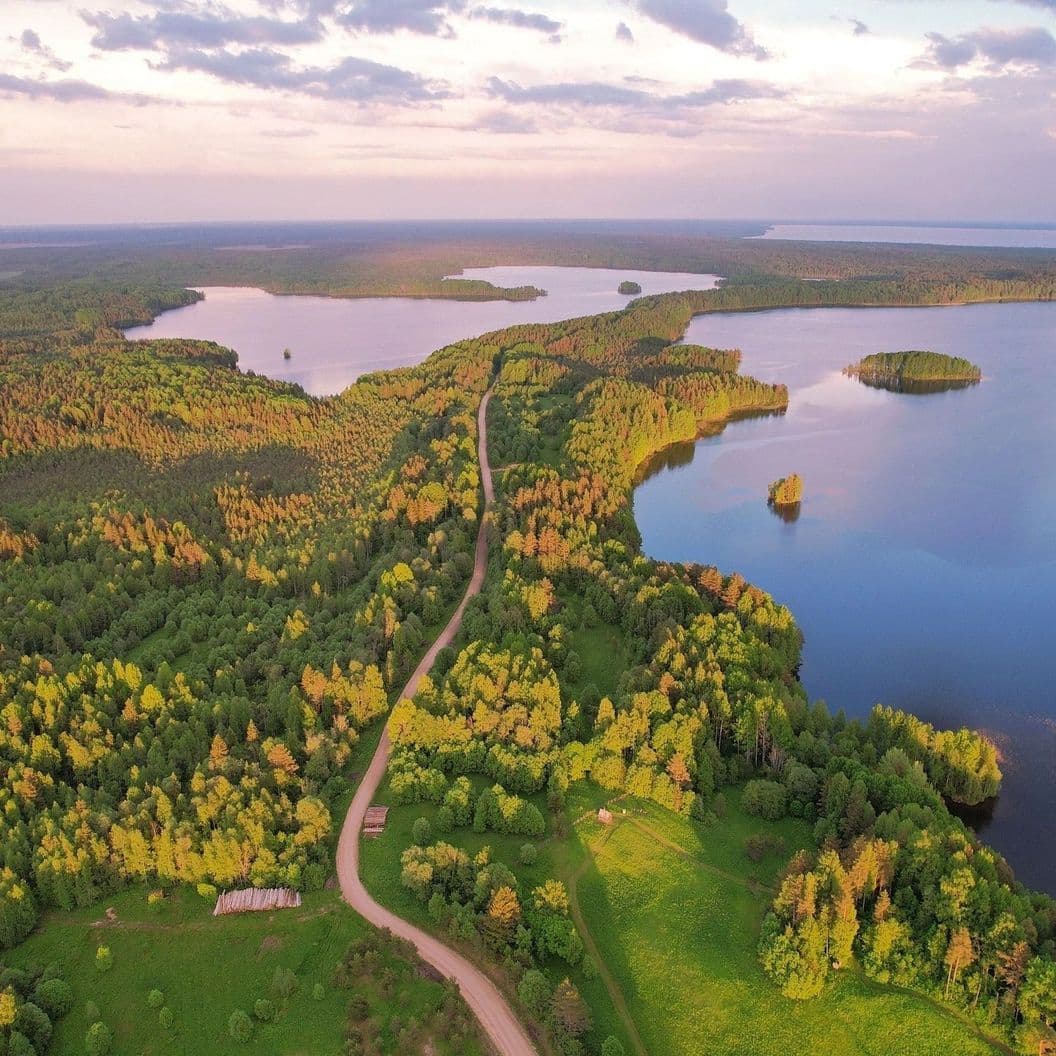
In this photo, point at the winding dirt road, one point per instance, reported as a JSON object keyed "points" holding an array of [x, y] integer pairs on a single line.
{"points": [[500, 1024]]}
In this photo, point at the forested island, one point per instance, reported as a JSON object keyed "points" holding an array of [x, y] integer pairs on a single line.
{"points": [[786, 491], [216, 585], [914, 371], [629, 288]]}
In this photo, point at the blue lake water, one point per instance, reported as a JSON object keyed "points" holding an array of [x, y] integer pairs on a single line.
{"points": [[1041, 237], [922, 568], [333, 340]]}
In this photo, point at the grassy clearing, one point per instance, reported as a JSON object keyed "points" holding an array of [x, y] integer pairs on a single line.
{"points": [[675, 910], [207, 967]]}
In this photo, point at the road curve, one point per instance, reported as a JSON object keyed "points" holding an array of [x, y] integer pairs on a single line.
{"points": [[500, 1024]]}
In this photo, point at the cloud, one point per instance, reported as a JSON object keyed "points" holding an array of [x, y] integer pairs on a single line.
{"points": [[1028, 46], [352, 79], [623, 32], [1044, 5], [729, 90], [503, 122], [64, 91], [31, 42], [859, 28], [597, 94], [504, 16], [428, 17], [196, 28], [706, 21]]}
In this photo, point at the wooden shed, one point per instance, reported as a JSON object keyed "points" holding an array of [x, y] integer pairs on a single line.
{"points": [[374, 821], [604, 816]]}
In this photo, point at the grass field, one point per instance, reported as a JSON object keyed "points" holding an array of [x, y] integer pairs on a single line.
{"points": [[207, 967], [674, 909]]}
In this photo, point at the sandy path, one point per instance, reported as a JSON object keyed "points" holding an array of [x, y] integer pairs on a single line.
{"points": [[500, 1024]]}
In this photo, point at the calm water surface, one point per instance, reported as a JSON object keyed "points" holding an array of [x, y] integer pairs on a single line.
{"points": [[1012, 237], [334, 341], [922, 568]]}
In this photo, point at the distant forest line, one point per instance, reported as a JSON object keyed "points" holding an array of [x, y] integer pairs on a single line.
{"points": [[129, 275]]}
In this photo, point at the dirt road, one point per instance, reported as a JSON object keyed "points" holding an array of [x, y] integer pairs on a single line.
{"points": [[500, 1024]]}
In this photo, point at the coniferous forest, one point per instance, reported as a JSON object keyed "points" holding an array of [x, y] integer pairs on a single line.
{"points": [[214, 587]]}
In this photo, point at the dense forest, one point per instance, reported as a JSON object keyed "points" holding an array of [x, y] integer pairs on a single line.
{"points": [[214, 584]]}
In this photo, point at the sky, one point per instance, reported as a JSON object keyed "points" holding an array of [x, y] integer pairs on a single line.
{"points": [[171, 110]]}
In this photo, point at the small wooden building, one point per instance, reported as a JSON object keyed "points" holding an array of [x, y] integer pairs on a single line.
{"points": [[604, 816], [256, 900], [374, 821]]}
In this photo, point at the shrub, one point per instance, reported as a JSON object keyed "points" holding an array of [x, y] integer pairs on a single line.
{"points": [[318, 992], [98, 1040], [421, 831], [264, 1010], [104, 959], [19, 1045], [240, 1026], [91, 1011], [55, 996], [611, 1047], [155, 999], [207, 891], [535, 993], [166, 1017], [528, 854], [358, 1009], [765, 799]]}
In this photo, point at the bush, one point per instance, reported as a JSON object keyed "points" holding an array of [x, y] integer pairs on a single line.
{"points": [[264, 1010], [535, 993], [611, 1047], [98, 1040], [240, 1026], [765, 799], [528, 854], [19, 1045], [318, 992], [104, 959], [207, 891], [91, 1011], [55, 996], [155, 999], [166, 1017], [421, 831]]}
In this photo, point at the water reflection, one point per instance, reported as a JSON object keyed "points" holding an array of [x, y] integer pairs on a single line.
{"points": [[909, 387]]}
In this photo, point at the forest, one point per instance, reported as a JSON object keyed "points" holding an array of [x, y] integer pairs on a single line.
{"points": [[214, 586]]}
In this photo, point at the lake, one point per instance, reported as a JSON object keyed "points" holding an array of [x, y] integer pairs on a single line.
{"points": [[922, 569], [333, 341], [1041, 237]]}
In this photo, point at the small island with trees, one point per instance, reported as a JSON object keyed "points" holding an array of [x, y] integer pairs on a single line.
{"points": [[914, 371], [629, 288], [786, 492]]}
